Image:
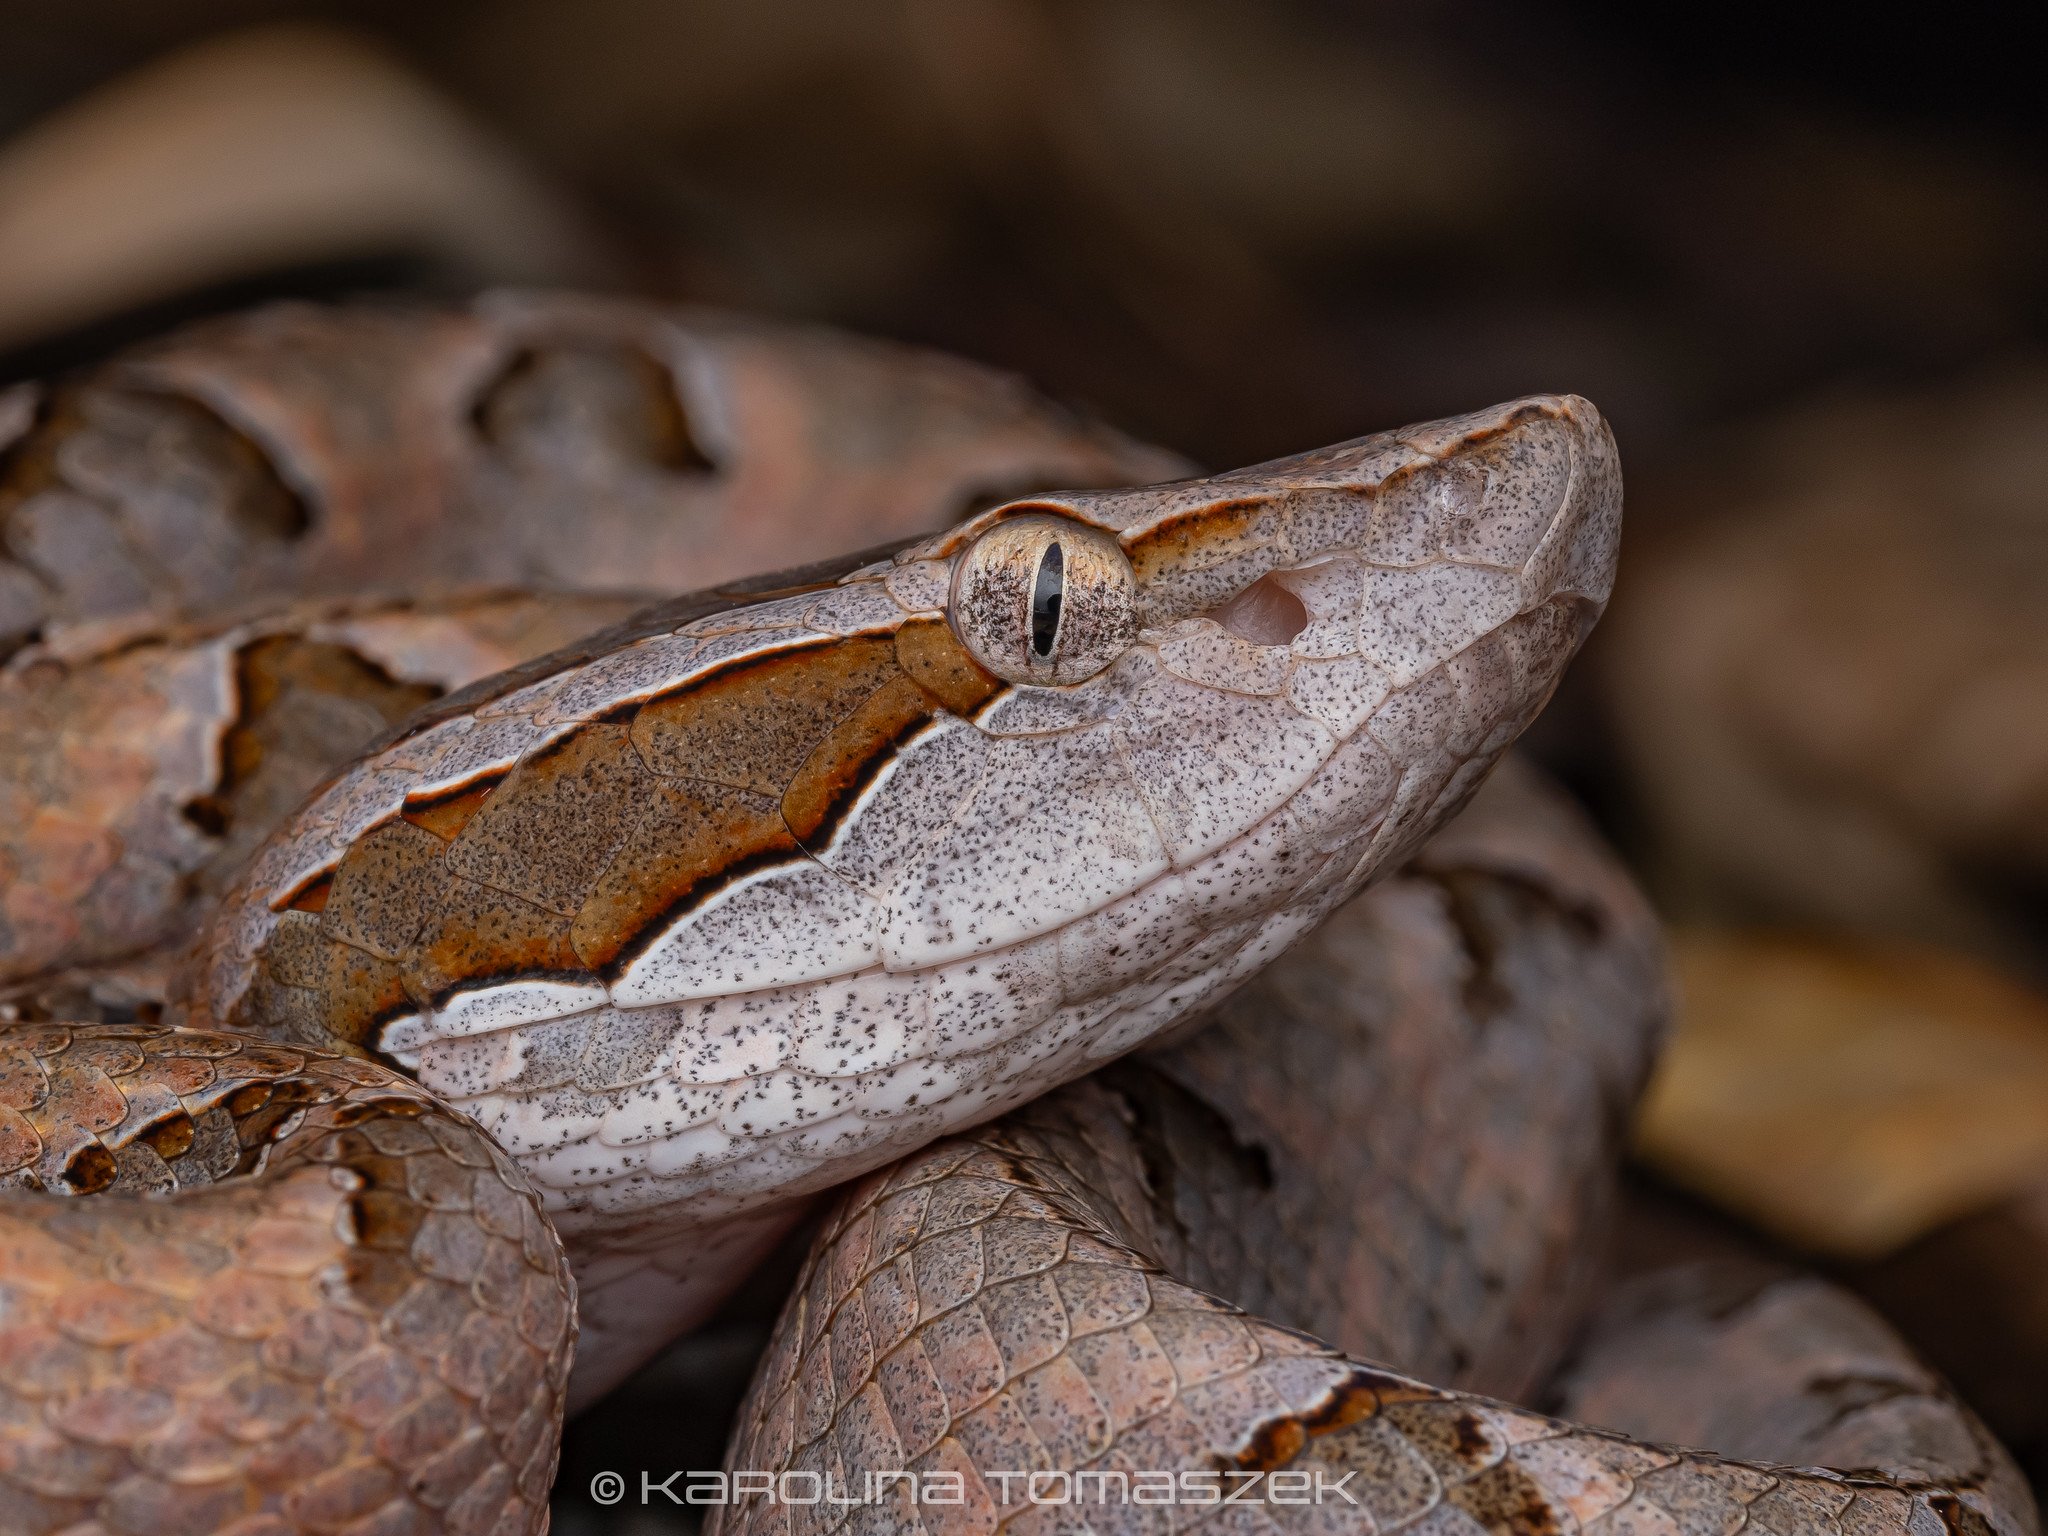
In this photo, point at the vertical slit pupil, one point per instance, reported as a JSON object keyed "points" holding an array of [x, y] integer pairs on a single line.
{"points": [[1047, 592]]}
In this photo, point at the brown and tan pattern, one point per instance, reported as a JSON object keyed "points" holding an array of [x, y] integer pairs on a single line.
{"points": [[264, 1290]]}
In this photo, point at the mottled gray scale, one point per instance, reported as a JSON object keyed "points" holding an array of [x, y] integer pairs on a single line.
{"points": [[550, 829]]}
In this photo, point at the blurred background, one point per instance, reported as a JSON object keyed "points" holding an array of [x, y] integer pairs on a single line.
{"points": [[1800, 262]]}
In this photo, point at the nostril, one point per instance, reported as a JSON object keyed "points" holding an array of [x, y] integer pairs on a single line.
{"points": [[1264, 613]]}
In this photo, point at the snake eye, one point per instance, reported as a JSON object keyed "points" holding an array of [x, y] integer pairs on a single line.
{"points": [[1044, 599]]}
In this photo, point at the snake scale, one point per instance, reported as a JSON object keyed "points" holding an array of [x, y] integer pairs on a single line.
{"points": [[606, 966]]}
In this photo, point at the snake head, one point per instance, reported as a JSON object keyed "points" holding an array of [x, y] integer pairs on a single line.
{"points": [[755, 893]]}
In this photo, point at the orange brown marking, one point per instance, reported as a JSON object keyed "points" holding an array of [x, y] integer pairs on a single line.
{"points": [[1505, 1499], [1175, 543], [361, 994], [481, 937], [313, 895], [750, 724], [281, 683], [169, 1137], [1273, 1444], [847, 761], [548, 832], [1278, 1441], [694, 839], [90, 1169], [446, 812], [385, 888], [932, 655]]}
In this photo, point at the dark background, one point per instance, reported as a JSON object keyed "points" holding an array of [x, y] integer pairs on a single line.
{"points": [[1236, 228]]}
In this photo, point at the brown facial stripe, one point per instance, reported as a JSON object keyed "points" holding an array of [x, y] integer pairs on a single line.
{"points": [[662, 618], [737, 771], [447, 811], [1174, 543], [481, 938], [846, 761], [357, 992], [752, 722], [548, 832], [733, 839], [697, 840], [929, 651]]}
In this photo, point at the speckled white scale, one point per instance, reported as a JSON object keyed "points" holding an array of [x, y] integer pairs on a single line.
{"points": [[527, 1124], [358, 803], [1028, 711], [508, 1004], [489, 747], [1111, 948], [1414, 722], [977, 1003], [1484, 682], [1203, 786], [781, 1101], [469, 1067], [742, 1034], [663, 1107], [1023, 863], [585, 1163], [864, 1023], [790, 923], [1408, 517], [698, 1150], [630, 674], [1339, 691], [625, 1047], [1314, 523], [1347, 793], [1517, 502], [859, 608], [522, 703], [1332, 589], [783, 614], [920, 796], [1415, 620], [919, 586], [1203, 652]]}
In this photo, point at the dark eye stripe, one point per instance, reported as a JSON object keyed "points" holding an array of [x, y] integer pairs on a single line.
{"points": [[1046, 595]]}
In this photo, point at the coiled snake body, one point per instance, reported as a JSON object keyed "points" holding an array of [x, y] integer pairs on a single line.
{"points": [[759, 893]]}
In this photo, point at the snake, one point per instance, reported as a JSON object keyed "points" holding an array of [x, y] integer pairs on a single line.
{"points": [[514, 1050]]}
